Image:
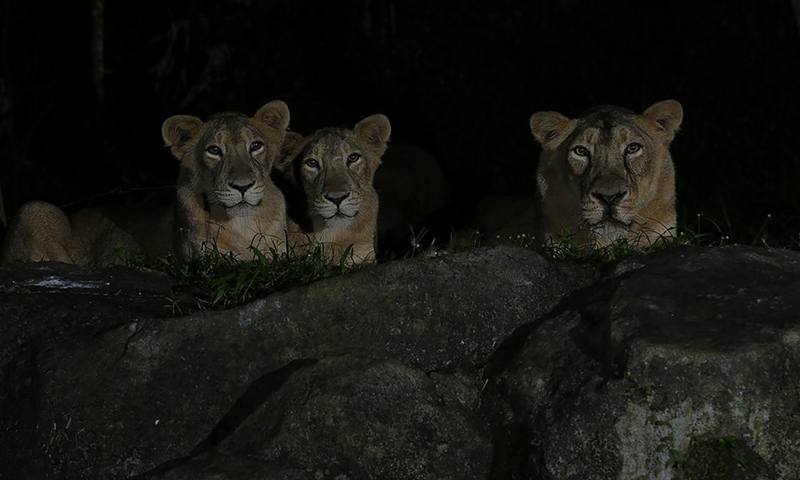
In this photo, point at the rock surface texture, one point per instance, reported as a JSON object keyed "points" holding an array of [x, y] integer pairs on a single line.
{"points": [[488, 364]]}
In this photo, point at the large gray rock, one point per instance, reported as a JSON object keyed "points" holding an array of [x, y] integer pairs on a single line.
{"points": [[686, 363], [488, 364], [366, 419], [151, 393]]}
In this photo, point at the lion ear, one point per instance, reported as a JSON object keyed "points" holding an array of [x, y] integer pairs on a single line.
{"points": [[375, 131], [550, 128], [668, 115], [178, 131], [292, 145], [275, 114]]}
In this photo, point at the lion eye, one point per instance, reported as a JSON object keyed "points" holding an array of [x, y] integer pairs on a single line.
{"points": [[581, 151], [312, 162], [214, 150], [256, 146], [353, 158], [632, 148]]}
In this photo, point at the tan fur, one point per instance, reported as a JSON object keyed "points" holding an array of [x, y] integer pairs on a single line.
{"points": [[42, 232], [607, 175], [337, 165], [91, 237], [225, 194]]}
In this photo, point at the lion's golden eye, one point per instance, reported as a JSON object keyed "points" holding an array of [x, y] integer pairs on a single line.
{"points": [[353, 158], [581, 151], [256, 146], [312, 162], [214, 150], [632, 148]]}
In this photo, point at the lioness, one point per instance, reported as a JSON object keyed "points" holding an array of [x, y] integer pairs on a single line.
{"points": [[93, 237], [334, 168], [225, 193], [607, 175], [42, 232]]}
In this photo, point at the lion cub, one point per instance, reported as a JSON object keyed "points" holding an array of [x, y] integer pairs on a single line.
{"points": [[225, 193], [332, 170], [607, 175]]}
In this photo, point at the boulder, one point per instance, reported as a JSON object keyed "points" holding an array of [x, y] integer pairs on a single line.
{"points": [[692, 348], [140, 396], [494, 363]]}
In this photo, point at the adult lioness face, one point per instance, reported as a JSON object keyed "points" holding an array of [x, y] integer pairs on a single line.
{"points": [[608, 175]]}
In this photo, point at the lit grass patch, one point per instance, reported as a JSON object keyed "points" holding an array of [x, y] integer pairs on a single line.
{"points": [[221, 280], [567, 247]]}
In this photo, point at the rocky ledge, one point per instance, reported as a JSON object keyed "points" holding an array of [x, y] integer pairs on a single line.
{"points": [[493, 363]]}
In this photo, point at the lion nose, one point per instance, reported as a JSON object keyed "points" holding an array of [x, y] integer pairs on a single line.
{"points": [[336, 198], [609, 199], [242, 187]]}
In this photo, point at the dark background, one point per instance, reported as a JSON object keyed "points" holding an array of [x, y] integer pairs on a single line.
{"points": [[460, 78]]}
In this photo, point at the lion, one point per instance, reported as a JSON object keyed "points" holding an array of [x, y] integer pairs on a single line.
{"points": [[332, 172], [608, 175], [42, 232], [92, 237], [225, 196]]}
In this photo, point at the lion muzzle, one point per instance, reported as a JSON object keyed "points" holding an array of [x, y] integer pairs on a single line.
{"points": [[336, 198], [609, 200]]}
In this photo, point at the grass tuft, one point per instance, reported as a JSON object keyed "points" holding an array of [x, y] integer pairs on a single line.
{"points": [[222, 280], [567, 246]]}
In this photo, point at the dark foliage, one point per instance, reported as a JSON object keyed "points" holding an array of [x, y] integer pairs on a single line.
{"points": [[459, 78]]}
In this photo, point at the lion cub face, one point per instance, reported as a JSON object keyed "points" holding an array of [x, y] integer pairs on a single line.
{"points": [[229, 157], [336, 168], [608, 175], [225, 195]]}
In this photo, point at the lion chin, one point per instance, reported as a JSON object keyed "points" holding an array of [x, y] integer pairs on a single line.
{"points": [[339, 220], [242, 209]]}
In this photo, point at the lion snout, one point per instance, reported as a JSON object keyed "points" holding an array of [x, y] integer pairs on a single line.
{"points": [[609, 199], [241, 186], [336, 197]]}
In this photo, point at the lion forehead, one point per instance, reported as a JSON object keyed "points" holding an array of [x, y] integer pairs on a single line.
{"points": [[588, 135], [607, 126], [622, 135], [330, 147], [234, 130]]}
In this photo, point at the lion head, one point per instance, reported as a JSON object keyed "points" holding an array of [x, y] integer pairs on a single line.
{"points": [[225, 194], [334, 168], [608, 175]]}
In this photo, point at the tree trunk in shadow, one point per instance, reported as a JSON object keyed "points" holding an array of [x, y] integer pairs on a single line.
{"points": [[796, 5]]}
